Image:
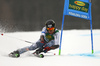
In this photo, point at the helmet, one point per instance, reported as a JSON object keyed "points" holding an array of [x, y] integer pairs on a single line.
{"points": [[50, 23]]}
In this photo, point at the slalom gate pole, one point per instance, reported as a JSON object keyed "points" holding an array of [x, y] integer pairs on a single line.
{"points": [[91, 36], [90, 14], [61, 35]]}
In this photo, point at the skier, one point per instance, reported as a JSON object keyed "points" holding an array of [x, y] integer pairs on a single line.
{"points": [[49, 40]]}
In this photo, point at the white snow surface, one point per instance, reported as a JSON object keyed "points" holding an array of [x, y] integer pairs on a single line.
{"points": [[75, 50]]}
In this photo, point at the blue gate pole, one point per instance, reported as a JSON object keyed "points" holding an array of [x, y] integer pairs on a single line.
{"points": [[91, 36], [91, 25], [61, 34]]}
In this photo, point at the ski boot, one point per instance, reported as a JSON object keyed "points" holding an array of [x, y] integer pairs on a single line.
{"points": [[37, 53], [14, 54]]}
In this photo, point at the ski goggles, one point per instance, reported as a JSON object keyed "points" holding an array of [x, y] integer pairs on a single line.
{"points": [[50, 28]]}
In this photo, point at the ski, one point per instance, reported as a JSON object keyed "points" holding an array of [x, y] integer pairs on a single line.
{"points": [[36, 55]]}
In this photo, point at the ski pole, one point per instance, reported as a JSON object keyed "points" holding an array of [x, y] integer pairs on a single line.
{"points": [[17, 38]]}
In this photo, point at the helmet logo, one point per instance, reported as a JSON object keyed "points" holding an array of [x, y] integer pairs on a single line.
{"points": [[49, 26]]}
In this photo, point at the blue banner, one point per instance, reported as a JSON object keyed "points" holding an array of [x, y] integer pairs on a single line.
{"points": [[78, 8]]}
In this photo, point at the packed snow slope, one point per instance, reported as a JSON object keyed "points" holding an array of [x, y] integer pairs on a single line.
{"points": [[75, 50]]}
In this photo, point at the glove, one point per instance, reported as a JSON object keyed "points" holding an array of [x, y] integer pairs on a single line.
{"points": [[46, 49]]}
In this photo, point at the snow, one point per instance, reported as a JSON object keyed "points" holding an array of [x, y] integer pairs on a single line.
{"points": [[75, 50]]}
